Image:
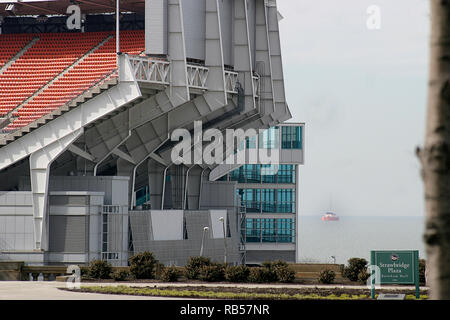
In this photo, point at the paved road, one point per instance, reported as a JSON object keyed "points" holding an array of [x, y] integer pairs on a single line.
{"points": [[48, 290]]}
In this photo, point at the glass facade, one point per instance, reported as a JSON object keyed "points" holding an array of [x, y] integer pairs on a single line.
{"points": [[251, 173], [261, 201], [142, 196], [269, 139], [269, 230], [291, 137], [268, 200]]}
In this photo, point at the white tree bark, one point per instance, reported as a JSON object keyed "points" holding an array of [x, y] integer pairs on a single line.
{"points": [[435, 156]]}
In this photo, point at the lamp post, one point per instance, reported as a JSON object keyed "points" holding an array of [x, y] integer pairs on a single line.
{"points": [[117, 30], [224, 240], [205, 230]]}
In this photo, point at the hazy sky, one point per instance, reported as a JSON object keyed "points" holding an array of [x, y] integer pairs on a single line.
{"points": [[362, 94]]}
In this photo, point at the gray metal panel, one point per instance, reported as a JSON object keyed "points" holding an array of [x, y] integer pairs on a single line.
{"points": [[194, 28], [69, 200], [156, 27], [68, 234]]}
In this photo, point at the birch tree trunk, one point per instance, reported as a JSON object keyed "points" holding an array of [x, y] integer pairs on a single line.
{"points": [[435, 156]]}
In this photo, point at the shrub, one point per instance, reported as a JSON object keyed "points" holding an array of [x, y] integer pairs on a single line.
{"points": [[159, 270], [285, 275], [143, 265], [120, 275], [422, 270], [212, 273], [100, 269], [237, 273], [279, 271], [327, 276], [170, 274], [363, 276], [260, 275], [192, 268], [355, 266]]}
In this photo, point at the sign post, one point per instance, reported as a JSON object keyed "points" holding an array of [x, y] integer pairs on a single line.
{"points": [[395, 267]]}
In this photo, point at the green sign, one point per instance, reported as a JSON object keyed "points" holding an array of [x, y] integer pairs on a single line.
{"points": [[395, 267]]}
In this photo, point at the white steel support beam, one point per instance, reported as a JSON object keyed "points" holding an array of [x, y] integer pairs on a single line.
{"points": [[277, 64], [263, 63], [96, 108], [216, 96], [40, 162], [179, 89], [123, 155], [242, 53], [79, 152]]}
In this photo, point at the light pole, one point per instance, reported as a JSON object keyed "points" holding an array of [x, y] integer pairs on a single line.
{"points": [[205, 230], [117, 30], [224, 240]]}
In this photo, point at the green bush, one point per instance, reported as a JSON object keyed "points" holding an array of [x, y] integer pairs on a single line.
{"points": [[260, 275], [285, 274], [143, 265], [192, 268], [170, 274], [212, 273], [363, 276], [237, 273], [422, 269], [279, 271], [354, 268], [99, 269], [120, 275], [327, 276]]}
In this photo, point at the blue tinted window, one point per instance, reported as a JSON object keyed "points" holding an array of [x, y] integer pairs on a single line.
{"points": [[270, 230], [291, 137]]}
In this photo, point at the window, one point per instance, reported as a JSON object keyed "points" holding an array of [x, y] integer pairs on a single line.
{"points": [[269, 138], [251, 199], [268, 200], [285, 203], [270, 230], [291, 137], [142, 196]]}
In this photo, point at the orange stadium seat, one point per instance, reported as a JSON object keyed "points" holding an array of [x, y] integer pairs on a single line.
{"points": [[51, 55]]}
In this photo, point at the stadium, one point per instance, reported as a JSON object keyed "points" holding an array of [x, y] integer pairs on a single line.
{"points": [[91, 93]]}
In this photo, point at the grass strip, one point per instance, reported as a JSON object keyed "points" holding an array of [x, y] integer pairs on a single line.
{"points": [[155, 292]]}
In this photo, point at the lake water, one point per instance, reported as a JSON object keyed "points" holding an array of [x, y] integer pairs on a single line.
{"points": [[356, 236]]}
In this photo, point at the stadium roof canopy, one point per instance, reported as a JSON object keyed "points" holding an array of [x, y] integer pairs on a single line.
{"points": [[59, 7]]}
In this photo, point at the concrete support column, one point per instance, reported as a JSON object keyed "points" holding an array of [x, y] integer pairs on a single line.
{"points": [[40, 162]]}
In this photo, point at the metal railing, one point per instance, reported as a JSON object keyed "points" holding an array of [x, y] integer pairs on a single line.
{"points": [[197, 76], [151, 70], [231, 79]]}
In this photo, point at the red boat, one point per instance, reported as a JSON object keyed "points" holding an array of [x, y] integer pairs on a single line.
{"points": [[330, 216]]}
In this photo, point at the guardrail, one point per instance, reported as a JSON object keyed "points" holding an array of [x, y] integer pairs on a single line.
{"points": [[197, 76], [231, 79], [151, 70]]}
